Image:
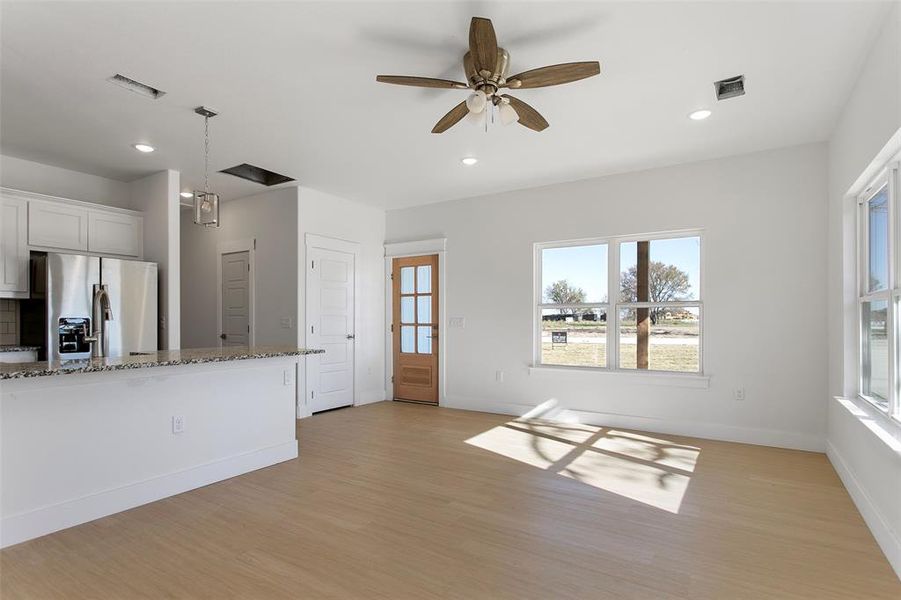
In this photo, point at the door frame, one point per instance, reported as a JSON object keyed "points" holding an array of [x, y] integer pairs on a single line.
{"points": [[417, 248], [311, 364], [248, 245]]}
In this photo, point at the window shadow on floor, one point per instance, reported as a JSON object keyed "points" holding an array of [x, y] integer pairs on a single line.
{"points": [[651, 470]]}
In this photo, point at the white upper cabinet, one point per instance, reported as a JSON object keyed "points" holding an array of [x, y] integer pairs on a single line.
{"points": [[30, 221], [114, 233], [13, 248], [57, 225]]}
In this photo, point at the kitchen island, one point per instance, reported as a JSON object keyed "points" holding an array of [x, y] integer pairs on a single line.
{"points": [[84, 439]]}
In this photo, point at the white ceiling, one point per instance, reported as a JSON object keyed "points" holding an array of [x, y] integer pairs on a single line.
{"points": [[295, 86]]}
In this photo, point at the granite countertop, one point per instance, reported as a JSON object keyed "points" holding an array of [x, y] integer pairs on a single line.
{"points": [[147, 360], [18, 348]]}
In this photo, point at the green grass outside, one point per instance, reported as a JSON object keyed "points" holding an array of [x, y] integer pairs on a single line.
{"points": [[674, 357]]}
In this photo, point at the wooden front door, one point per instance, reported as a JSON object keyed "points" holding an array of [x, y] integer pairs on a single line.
{"points": [[415, 328]]}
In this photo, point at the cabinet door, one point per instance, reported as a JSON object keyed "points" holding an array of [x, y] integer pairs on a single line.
{"points": [[55, 225], [114, 233], [13, 248]]}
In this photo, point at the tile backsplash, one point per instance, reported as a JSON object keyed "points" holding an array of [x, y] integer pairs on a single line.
{"points": [[9, 322]]}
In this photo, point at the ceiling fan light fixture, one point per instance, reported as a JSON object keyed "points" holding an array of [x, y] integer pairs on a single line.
{"points": [[476, 101], [507, 113], [485, 65], [477, 118]]}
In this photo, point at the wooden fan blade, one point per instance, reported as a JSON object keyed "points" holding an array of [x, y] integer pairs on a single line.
{"points": [[528, 116], [422, 82], [554, 75], [482, 44], [451, 118]]}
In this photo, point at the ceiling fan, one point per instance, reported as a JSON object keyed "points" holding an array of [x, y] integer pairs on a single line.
{"points": [[485, 66]]}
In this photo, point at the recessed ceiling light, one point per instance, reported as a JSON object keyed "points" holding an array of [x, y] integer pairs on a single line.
{"points": [[187, 194], [144, 148], [700, 115], [469, 161]]}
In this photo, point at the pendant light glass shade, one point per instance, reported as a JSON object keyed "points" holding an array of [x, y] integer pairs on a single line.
{"points": [[206, 209], [206, 203]]}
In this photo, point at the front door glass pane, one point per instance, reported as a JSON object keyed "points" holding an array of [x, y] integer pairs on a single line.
{"points": [[424, 339], [424, 279], [424, 309], [407, 339], [406, 310], [406, 280]]}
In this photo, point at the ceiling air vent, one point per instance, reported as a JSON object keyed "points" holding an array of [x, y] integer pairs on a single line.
{"points": [[136, 86], [257, 174], [730, 88]]}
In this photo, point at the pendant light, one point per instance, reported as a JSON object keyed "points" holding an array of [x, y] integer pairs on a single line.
{"points": [[206, 203]]}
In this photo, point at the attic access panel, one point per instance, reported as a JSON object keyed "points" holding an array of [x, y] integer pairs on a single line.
{"points": [[257, 174]]}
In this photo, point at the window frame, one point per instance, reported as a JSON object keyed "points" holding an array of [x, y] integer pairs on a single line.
{"points": [[613, 306], [887, 178]]}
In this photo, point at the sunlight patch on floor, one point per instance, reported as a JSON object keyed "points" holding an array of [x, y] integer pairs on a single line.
{"points": [[522, 446], [650, 470]]}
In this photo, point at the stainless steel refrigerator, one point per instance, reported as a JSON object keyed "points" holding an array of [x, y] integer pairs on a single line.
{"points": [[64, 293]]}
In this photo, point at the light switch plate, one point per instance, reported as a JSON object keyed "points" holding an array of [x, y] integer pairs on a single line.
{"points": [[457, 322], [178, 424]]}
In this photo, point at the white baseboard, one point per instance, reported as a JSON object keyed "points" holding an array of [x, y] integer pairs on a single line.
{"points": [[712, 431], [888, 540], [25, 526], [370, 396]]}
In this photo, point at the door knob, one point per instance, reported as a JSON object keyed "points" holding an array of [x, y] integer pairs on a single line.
{"points": [[222, 336], [351, 336]]}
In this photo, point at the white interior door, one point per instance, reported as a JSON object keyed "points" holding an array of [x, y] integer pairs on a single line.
{"points": [[330, 318], [235, 299]]}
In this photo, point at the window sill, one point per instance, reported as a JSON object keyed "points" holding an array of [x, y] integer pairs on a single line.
{"points": [[669, 379], [880, 423]]}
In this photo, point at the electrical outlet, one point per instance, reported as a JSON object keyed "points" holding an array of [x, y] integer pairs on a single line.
{"points": [[499, 376], [178, 424], [287, 322], [457, 322], [289, 376], [739, 394]]}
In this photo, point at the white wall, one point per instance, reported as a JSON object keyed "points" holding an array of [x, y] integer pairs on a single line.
{"points": [[763, 218], [31, 176], [271, 219], [331, 216], [109, 445], [157, 196], [859, 440]]}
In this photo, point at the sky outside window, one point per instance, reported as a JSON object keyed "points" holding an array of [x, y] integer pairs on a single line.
{"points": [[585, 267], [582, 267]]}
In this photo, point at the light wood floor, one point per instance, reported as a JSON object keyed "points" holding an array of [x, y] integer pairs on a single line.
{"points": [[415, 502]]}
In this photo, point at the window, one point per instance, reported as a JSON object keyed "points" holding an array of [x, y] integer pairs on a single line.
{"points": [[651, 323], [572, 311], [879, 274]]}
